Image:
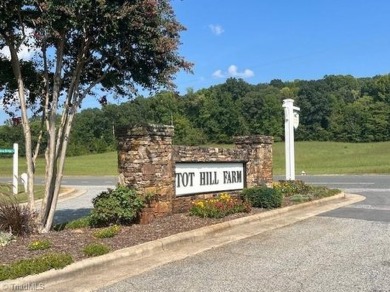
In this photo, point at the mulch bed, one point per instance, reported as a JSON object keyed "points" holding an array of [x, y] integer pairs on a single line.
{"points": [[73, 241]]}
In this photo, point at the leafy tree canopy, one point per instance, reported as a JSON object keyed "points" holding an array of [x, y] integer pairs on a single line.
{"points": [[82, 48]]}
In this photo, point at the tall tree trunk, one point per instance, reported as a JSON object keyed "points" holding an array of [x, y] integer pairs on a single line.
{"points": [[62, 146], [51, 155], [25, 123]]}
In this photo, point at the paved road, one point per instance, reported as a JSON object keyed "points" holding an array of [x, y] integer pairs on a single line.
{"points": [[81, 206], [376, 189], [347, 249], [88, 186], [71, 209]]}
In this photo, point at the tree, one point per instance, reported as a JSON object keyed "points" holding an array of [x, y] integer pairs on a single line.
{"points": [[164, 106], [381, 88], [219, 117], [84, 48], [237, 88], [92, 132], [134, 112], [316, 107], [263, 112]]}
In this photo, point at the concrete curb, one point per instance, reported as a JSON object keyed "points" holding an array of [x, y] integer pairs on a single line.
{"points": [[134, 254], [69, 193]]}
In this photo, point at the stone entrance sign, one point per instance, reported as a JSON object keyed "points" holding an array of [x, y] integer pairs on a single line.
{"points": [[177, 175], [206, 177]]}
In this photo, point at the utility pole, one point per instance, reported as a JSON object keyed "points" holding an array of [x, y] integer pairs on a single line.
{"points": [[291, 122]]}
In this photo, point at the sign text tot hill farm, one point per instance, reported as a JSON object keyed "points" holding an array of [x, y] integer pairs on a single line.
{"points": [[192, 178]]}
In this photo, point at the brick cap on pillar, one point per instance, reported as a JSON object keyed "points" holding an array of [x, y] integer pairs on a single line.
{"points": [[146, 130], [253, 140]]}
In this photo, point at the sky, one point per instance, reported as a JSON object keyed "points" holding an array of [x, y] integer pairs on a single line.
{"points": [[262, 40]]}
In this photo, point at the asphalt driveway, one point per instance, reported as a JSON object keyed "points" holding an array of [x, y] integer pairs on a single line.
{"points": [[347, 249]]}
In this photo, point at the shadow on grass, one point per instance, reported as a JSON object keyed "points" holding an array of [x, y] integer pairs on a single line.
{"points": [[66, 215]]}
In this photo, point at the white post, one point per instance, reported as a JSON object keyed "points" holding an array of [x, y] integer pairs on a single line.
{"points": [[15, 169], [24, 179], [289, 124]]}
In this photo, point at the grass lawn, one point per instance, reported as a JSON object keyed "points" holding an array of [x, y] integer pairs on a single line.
{"points": [[311, 157], [94, 165], [335, 158], [7, 191]]}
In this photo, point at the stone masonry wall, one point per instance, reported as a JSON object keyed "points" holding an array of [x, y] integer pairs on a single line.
{"points": [[146, 161]]}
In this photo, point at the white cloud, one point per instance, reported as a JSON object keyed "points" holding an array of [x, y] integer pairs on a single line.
{"points": [[216, 29], [5, 52], [218, 74], [233, 72], [25, 52]]}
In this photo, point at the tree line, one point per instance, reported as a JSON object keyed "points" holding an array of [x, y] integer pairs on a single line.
{"points": [[334, 108]]}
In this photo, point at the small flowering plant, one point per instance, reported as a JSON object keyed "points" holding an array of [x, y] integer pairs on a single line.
{"points": [[290, 188], [39, 245], [218, 207]]}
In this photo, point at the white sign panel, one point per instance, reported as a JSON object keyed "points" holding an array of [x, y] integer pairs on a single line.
{"points": [[192, 178], [296, 120]]}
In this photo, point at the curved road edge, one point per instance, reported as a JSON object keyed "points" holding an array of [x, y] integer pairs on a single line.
{"points": [[140, 258]]}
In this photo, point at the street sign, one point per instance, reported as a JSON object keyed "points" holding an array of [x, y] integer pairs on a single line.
{"points": [[296, 120], [15, 152], [6, 151]]}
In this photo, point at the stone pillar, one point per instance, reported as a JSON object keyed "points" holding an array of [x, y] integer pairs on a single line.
{"points": [[145, 163], [259, 159]]}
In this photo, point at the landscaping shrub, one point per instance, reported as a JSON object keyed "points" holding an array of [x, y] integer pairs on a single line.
{"points": [[82, 222], [107, 232], [292, 187], [36, 265], [6, 238], [95, 249], [263, 197], [119, 206], [14, 217], [78, 223], [322, 192], [298, 198], [39, 244], [218, 207]]}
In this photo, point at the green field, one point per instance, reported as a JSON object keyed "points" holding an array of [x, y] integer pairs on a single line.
{"points": [[6, 191], [311, 157], [95, 165], [335, 158]]}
